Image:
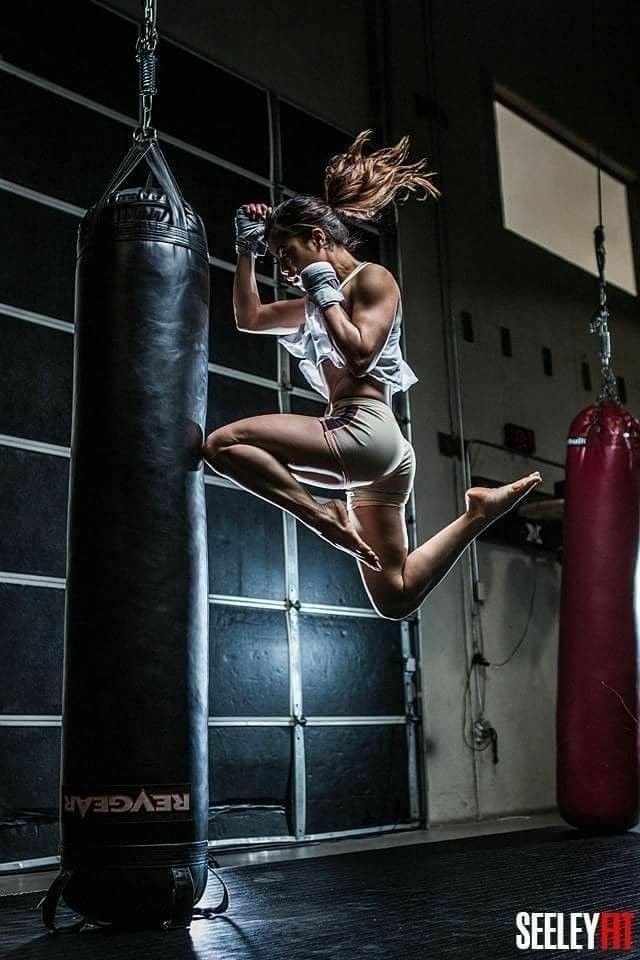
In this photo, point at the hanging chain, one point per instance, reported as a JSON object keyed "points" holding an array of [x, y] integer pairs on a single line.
{"points": [[145, 55], [600, 324], [600, 319]]}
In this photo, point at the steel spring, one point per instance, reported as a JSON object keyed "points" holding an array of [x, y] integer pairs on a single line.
{"points": [[146, 72]]}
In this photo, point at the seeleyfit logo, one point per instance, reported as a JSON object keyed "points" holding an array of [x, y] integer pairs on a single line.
{"points": [[610, 930], [133, 803]]}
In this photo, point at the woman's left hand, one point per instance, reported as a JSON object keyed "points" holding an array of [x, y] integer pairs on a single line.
{"points": [[321, 282]]}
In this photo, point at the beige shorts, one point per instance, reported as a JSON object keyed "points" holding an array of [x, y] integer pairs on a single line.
{"points": [[377, 462]]}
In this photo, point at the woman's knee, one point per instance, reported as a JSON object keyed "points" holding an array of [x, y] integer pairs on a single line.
{"points": [[392, 609], [387, 596], [217, 443]]}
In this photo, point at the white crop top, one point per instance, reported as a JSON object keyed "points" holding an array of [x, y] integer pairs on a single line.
{"points": [[312, 344]]}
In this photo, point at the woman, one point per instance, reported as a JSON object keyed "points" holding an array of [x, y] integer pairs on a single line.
{"points": [[346, 333]]}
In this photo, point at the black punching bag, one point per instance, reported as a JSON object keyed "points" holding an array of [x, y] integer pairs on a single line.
{"points": [[134, 778]]}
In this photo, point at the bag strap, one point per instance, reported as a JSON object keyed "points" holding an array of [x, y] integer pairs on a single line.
{"points": [[346, 280], [150, 151], [49, 905]]}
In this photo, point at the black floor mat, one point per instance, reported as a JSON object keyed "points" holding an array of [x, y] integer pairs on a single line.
{"points": [[438, 900]]}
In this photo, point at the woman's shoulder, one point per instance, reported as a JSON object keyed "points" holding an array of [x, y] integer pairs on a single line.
{"points": [[375, 279]]}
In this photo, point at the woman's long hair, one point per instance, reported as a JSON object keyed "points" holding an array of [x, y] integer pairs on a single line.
{"points": [[362, 186], [357, 187]]}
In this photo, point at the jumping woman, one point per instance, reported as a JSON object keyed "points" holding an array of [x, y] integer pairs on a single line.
{"points": [[346, 333]]}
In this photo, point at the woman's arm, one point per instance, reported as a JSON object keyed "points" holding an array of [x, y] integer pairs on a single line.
{"points": [[361, 336], [253, 316]]}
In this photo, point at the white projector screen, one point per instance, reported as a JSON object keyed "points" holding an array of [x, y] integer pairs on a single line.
{"points": [[549, 196]]}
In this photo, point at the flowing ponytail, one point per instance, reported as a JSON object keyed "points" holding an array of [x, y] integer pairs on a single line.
{"points": [[356, 188], [361, 186]]}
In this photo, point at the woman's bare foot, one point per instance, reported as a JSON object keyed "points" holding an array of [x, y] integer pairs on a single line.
{"points": [[489, 503], [336, 527]]}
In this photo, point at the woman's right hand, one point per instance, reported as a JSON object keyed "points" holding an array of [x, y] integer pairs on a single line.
{"points": [[249, 224], [257, 211]]}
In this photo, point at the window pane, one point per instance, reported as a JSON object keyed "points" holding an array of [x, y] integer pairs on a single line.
{"points": [[230, 347], [43, 245], [35, 405], [246, 545], [248, 663], [230, 399], [249, 763], [32, 621], [307, 145], [30, 764], [549, 196], [328, 575], [351, 667], [367, 769], [30, 840], [308, 408], [241, 818], [33, 512], [298, 380], [186, 83]]}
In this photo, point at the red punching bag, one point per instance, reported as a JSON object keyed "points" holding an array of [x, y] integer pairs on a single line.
{"points": [[597, 708]]}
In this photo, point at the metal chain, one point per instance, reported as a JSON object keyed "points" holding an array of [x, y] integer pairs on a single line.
{"points": [[145, 56], [600, 320], [599, 324]]}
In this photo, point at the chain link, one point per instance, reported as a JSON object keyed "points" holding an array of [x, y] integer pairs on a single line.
{"points": [[599, 324], [145, 56]]}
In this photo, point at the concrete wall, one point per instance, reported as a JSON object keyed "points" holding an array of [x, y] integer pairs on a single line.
{"points": [[501, 280], [542, 54]]}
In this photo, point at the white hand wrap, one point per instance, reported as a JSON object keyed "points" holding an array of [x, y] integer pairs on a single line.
{"points": [[321, 283], [249, 235]]}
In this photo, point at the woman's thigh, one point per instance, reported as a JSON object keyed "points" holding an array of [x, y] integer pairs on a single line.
{"points": [[295, 440], [318, 478]]}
